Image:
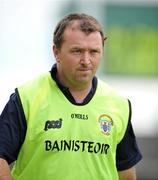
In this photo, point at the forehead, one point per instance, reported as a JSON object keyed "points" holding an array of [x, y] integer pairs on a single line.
{"points": [[74, 36]]}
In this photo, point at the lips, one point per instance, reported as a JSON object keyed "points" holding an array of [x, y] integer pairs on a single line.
{"points": [[84, 69]]}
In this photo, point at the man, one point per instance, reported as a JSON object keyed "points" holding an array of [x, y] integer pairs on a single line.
{"points": [[67, 124]]}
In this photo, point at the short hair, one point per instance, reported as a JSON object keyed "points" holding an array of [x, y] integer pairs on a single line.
{"points": [[87, 24]]}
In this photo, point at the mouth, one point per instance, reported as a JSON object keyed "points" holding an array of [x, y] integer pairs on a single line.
{"points": [[85, 69]]}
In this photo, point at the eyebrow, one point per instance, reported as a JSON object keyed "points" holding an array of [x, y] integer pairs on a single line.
{"points": [[78, 47]]}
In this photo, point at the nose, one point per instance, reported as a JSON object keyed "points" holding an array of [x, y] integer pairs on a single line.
{"points": [[85, 58]]}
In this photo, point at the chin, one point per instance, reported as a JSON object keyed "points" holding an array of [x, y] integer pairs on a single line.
{"points": [[85, 80]]}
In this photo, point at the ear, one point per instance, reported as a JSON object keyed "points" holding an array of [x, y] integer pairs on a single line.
{"points": [[56, 53], [105, 38]]}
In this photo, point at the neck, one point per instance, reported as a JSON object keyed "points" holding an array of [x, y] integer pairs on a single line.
{"points": [[80, 94], [79, 90]]}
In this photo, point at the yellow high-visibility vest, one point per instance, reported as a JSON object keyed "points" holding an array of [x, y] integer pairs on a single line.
{"points": [[65, 141]]}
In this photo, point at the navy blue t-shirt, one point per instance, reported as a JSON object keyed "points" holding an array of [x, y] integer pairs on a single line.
{"points": [[13, 129]]}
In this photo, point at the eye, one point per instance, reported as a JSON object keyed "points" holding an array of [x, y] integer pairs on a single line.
{"points": [[76, 51], [94, 52]]}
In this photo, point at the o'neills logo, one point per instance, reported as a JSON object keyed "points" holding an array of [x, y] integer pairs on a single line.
{"points": [[106, 123]]}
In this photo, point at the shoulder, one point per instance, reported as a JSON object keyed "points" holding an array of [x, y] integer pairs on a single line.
{"points": [[43, 78], [111, 94], [106, 88], [36, 87]]}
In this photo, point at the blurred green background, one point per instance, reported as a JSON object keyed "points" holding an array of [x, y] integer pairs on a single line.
{"points": [[133, 40], [132, 31]]}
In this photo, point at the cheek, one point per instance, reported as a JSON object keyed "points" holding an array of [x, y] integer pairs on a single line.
{"points": [[68, 65], [70, 62], [96, 62]]}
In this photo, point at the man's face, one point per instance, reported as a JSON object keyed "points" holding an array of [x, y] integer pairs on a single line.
{"points": [[79, 57]]}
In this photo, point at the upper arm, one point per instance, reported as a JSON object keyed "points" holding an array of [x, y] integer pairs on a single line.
{"points": [[129, 174], [12, 130], [127, 153]]}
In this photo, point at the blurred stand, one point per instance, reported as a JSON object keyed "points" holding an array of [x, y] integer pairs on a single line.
{"points": [[147, 168]]}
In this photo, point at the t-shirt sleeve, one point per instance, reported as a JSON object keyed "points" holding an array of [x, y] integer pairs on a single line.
{"points": [[128, 153], [12, 129]]}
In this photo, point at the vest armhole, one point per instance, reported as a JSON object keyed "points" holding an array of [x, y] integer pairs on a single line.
{"points": [[128, 121], [20, 105], [130, 110]]}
